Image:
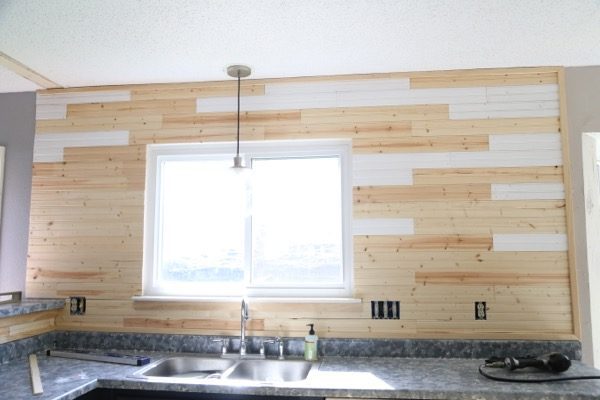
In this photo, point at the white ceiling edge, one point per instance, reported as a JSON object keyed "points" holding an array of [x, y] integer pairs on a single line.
{"points": [[111, 42], [10, 82]]}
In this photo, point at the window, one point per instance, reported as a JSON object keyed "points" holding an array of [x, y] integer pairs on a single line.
{"points": [[284, 232]]}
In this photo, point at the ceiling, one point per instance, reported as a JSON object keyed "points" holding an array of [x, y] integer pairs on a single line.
{"points": [[68, 43]]}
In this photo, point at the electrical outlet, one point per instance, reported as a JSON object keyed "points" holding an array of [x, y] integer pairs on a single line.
{"points": [[480, 310], [77, 305], [385, 309]]}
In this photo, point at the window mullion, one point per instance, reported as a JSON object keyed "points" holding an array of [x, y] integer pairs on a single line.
{"points": [[248, 248]]}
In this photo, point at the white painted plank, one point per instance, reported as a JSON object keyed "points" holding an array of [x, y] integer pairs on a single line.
{"points": [[530, 242], [267, 103], [220, 104], [519, 141], [522, 109], [522, 89], [515, 158], [412, 97], [47, 153], [337, 86], [382, 177], [505, 106], [391, 161], [522, 93], [505, 114], [528, 191], [50, 111], [383, 226], [84, 97], [522, 97], [524, 157], [49, 147]]}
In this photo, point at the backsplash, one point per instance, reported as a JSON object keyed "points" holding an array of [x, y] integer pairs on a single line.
{"points": [[21, 348], [412, 348], [458, 200]]}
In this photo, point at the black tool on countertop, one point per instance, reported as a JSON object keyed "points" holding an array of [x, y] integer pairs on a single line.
{"points": [[117, 358], [553, 362]]}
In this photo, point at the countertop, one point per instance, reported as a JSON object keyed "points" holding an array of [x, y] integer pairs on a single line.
{"points": [[27, 306], [373, 377]]}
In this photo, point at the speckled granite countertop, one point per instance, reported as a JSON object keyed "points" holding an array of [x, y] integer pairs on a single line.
{"points": [[406, 378], [27, 306]]}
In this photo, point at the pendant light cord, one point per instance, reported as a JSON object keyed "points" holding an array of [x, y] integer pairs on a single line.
{"points": [[237, 151]]}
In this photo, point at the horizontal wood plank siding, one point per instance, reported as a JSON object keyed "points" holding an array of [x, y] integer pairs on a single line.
{"points": [[458, 196], [27, 325]]}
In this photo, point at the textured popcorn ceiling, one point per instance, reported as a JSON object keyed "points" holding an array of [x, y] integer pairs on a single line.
{"points": [[106, 42]]}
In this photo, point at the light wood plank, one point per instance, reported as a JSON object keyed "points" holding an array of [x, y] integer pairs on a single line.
{"points": [[482, 79], [438, 176], [431, 242], [24, 71], [194, 91], [195, 134], [131, 108], [388, 194], [569, 203], [461, 209], [96, 124], [485, 126], [374, 114], [502, 225], [261, 118], [489, 278]]}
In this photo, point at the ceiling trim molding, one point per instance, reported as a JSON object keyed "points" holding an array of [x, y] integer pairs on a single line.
{"points": [[26, 72]]}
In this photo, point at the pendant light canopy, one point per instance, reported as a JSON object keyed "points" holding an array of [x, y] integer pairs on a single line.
{"points": [[239, 72]]}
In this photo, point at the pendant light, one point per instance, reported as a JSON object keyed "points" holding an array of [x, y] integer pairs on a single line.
{"points": [[239, 72]]}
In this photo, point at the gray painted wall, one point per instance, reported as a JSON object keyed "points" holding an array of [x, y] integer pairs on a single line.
{"points": [[17, 128], [583, 112]]}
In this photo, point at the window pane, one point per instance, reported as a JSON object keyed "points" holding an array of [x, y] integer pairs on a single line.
{"points": [[203, 223], [296, 222]]}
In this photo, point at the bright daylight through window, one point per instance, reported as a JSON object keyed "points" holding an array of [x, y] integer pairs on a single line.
{"points": [[282, 232]]}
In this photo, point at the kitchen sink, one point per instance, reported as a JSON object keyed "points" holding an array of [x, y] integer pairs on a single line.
{"points": [[188, 368], [269, 370]]}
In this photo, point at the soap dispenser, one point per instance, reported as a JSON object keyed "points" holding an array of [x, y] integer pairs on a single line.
{"points": [[310, 344]]}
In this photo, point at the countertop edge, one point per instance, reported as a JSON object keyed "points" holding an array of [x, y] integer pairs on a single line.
{"points": [[28, 306]]}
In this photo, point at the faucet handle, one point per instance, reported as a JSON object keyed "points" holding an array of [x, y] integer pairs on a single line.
{"points": [[224, 345], [279, 342], [262, 345]]}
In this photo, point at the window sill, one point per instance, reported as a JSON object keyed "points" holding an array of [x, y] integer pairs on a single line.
{"points": [[198, 299]]}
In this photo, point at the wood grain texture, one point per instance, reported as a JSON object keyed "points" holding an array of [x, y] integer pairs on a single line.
{"points": [[460, 79], [27, 325], [422, 199], [438, 176], [485, 126], [387, 194]]}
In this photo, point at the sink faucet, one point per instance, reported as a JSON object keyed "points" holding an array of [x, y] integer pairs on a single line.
{"points": [[243, 319]]}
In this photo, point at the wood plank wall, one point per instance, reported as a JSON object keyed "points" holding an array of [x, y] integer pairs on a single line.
{"points": [[27, 325], [459, 196]]}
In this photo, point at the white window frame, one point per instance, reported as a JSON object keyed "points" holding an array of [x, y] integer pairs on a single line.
{"points": [[155, 153]]}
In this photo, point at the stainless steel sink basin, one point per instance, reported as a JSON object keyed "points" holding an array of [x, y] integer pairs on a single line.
{"points": [[187, 367], [269, 370]]}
